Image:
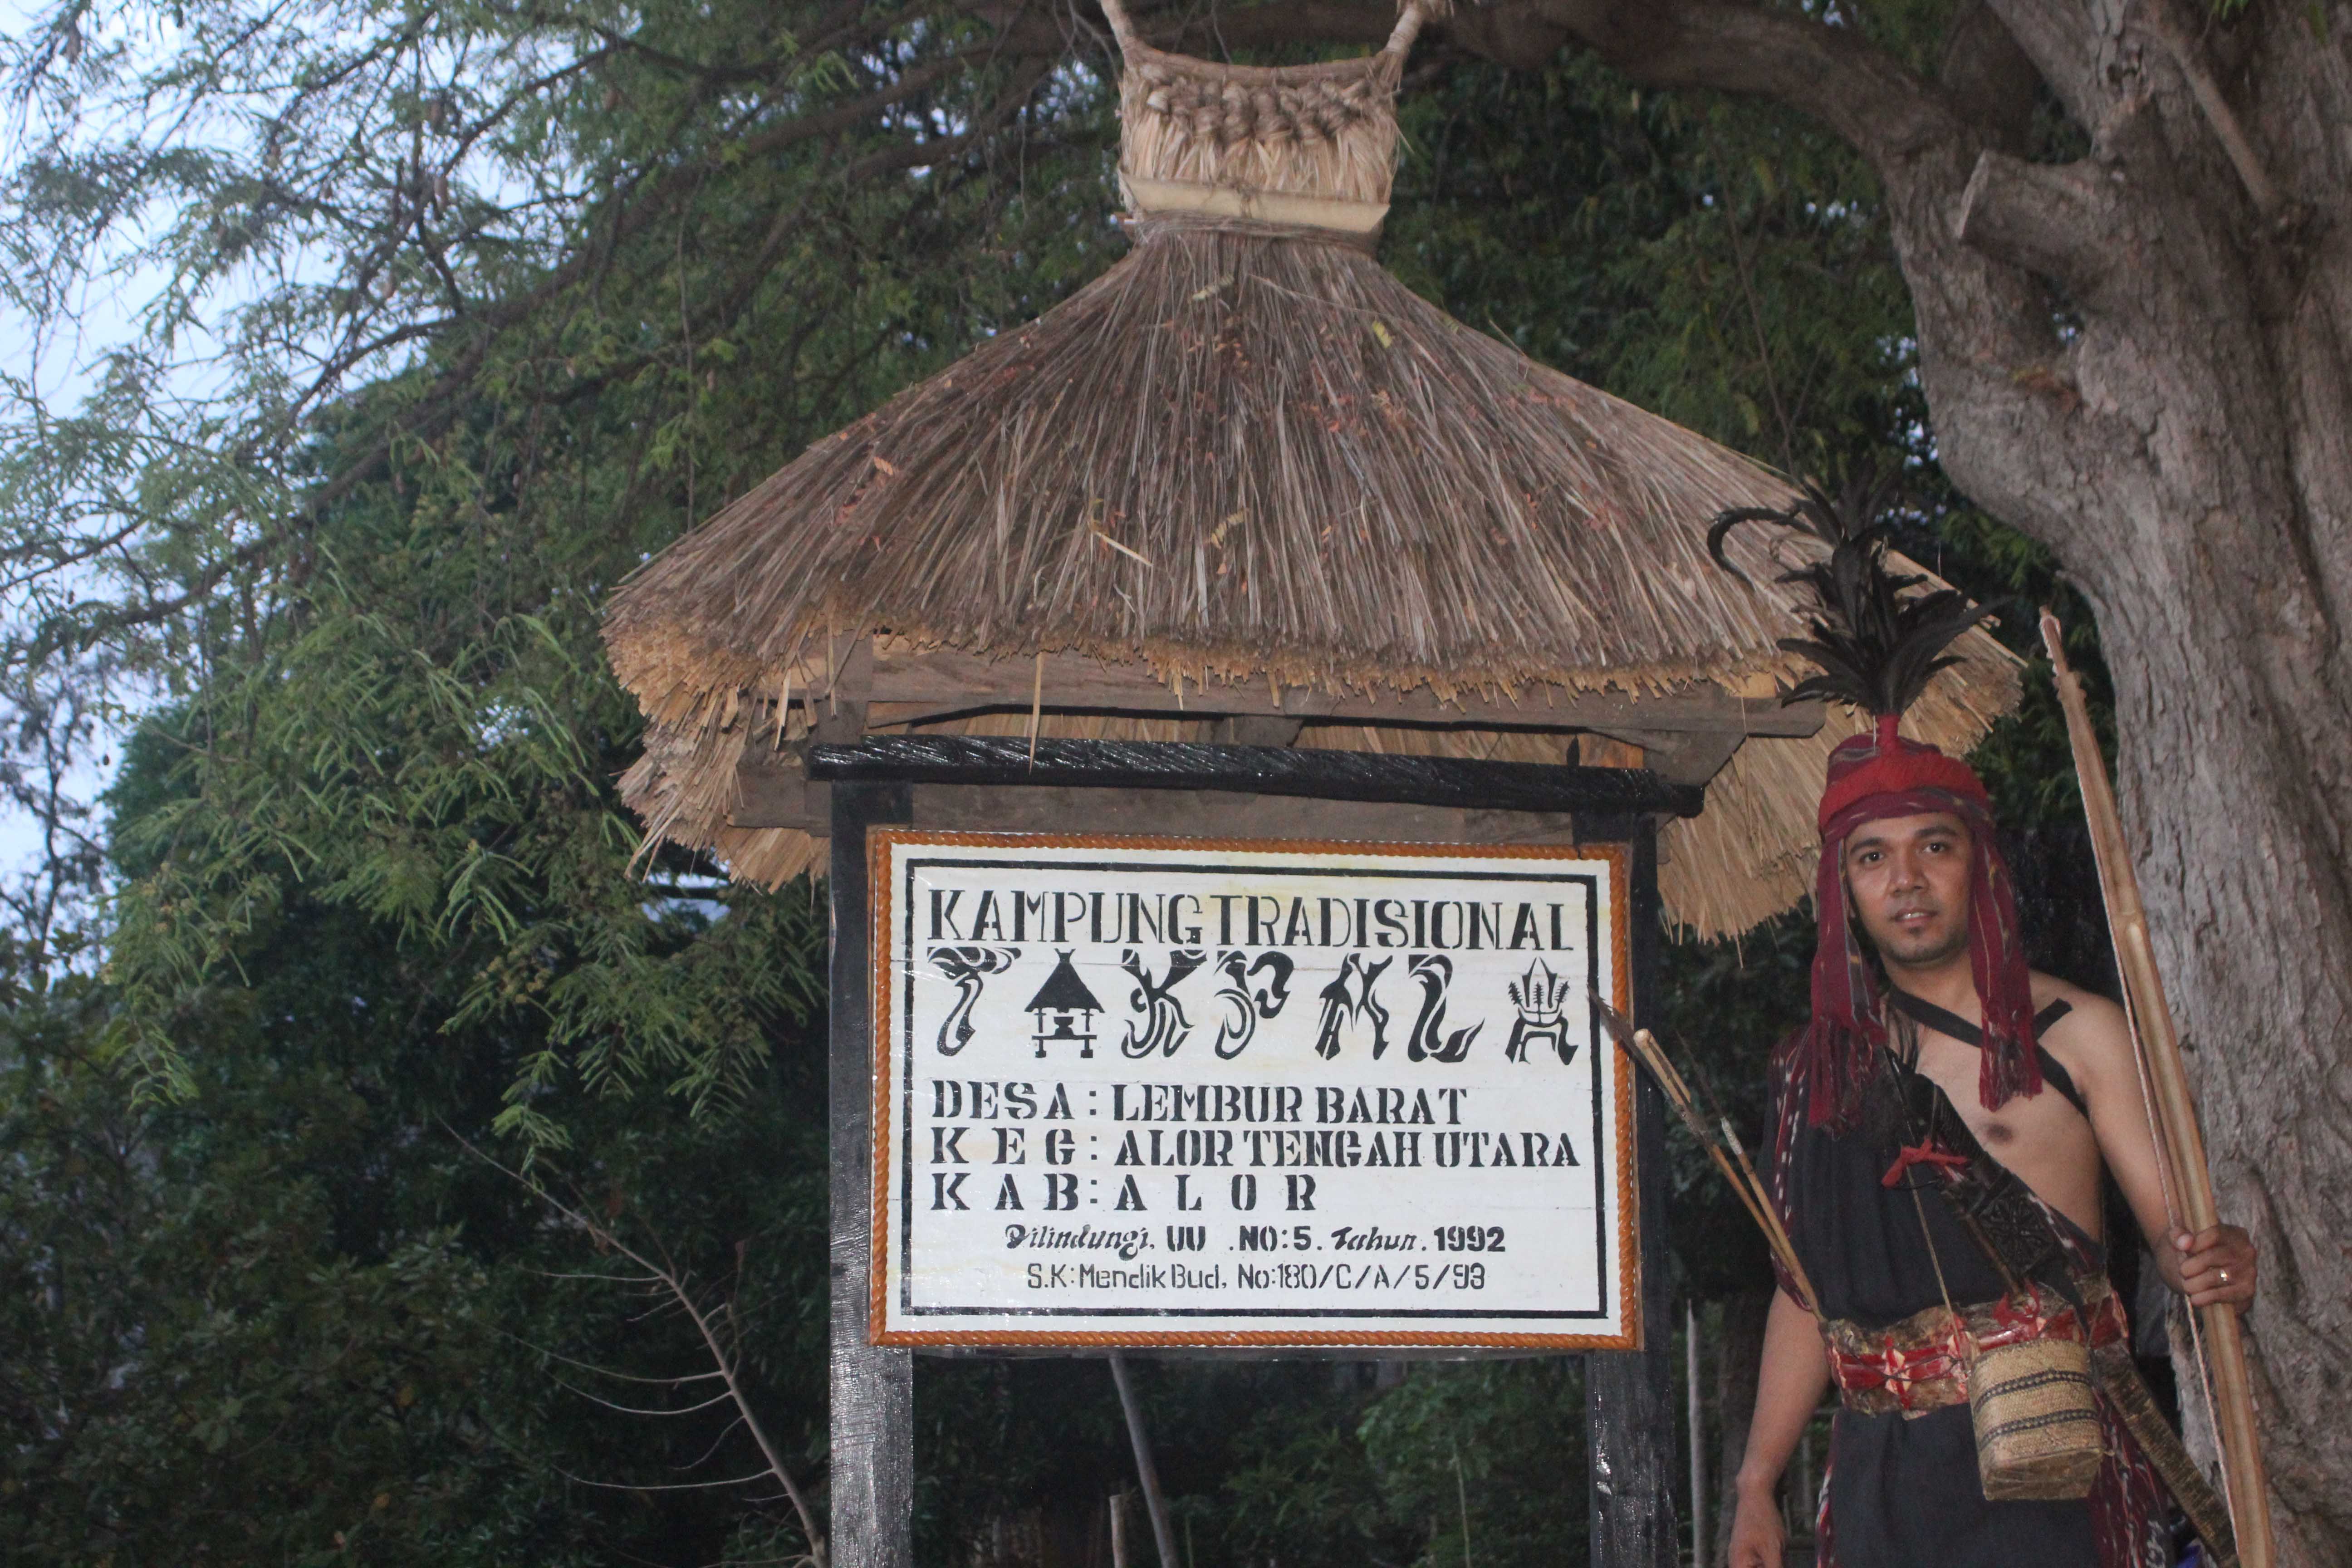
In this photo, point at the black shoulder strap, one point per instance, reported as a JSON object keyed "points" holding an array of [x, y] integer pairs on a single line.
{"points": [[1922, 1011]]}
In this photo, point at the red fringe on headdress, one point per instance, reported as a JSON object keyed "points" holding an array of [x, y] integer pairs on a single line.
{"points": [[1880, 775]]}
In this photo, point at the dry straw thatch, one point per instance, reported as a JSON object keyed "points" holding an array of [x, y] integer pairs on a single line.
{"points": [[1247, 453]]}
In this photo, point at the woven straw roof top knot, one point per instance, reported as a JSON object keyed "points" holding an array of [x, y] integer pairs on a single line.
{"points": [[1326, 132]]}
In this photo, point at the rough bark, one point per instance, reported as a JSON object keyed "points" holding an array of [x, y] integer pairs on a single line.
{"points": [[2186, 448]]}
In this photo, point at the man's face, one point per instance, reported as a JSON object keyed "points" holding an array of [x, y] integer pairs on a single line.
{"points": [[1909, 877]]}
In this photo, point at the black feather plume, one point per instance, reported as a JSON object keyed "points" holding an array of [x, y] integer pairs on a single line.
{"points": [[1877, 649]]}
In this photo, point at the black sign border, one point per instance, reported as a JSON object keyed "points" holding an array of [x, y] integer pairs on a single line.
{"points": [[1602, 1143]]}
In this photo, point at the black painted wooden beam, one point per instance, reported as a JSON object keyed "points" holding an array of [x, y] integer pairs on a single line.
{"points": [[1629, 1395], [1255, 770], [873, 1405]]}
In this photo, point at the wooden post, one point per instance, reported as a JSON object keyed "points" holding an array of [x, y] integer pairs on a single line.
{"points": [[1629, 1395], [1801, 1496], [1146, 1468], [1697, 1408], [873, 1407]]}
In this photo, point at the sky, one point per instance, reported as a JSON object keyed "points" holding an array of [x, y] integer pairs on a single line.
{"points": [[61, 367], [63, 364]]}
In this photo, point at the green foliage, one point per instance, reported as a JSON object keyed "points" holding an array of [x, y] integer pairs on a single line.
{"points": [[1312, 1465], [290, 1318], [1486, 1454], [1720, 263], [379, 631], [444, 776], [1301, 1485], [194, 1356]]}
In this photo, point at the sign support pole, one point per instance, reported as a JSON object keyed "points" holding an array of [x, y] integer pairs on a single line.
{"points": [[1629, 1395], [871, 1492]]}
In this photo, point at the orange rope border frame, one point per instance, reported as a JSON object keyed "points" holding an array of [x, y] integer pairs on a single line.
{"points": [[879, 895]]}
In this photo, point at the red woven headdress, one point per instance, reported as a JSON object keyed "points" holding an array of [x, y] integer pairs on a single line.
{"points": [[1877, 650]]}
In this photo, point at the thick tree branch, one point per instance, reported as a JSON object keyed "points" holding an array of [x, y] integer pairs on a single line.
{"points": [[1989, 353], [1884, 110], [2224, 120], [1992, 79], [1212, 31], [2057, 219], [1862, 92], [2056, 36]]}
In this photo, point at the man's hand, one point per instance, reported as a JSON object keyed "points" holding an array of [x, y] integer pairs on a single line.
{"points": [[2214, 1266], [1757, 1539]]}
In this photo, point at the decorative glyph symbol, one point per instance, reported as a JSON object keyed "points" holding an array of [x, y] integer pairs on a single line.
{"points": [[968, 967], [1436, 973], [1542, 999], [1063, 1011], [1245, 1003], [1165, 1024], [1347, 998]]}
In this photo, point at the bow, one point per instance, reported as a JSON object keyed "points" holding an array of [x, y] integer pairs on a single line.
{"points": [[2172, 1114]]}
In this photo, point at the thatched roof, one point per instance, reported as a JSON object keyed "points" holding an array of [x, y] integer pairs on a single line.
{"points": [[1247, 454]]}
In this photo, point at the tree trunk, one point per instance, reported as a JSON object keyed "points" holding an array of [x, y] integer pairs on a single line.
{"points": [[2187, 457]]}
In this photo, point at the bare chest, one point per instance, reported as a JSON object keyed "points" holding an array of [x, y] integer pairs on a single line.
{"points": [[2043, 1139]]}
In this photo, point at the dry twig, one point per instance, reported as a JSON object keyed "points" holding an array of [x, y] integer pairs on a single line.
{"points": [[675, 1290]]}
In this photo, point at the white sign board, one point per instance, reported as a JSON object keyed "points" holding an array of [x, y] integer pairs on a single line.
{"points": [[1192, 1092]]}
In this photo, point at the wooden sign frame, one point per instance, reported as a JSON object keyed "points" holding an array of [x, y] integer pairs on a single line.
{"points": [[1408, 1285]]}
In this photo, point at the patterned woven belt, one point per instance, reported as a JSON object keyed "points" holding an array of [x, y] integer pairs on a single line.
{"points": [[1920, 1363]]}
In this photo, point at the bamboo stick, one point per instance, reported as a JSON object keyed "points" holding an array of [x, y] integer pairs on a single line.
{"points": [[1768, 1215], [1771, 1214], [1750, 1191], [1745, 1183], [2174, 1112]]}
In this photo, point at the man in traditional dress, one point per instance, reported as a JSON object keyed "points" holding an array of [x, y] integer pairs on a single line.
{"points": [[1928, 1027]]}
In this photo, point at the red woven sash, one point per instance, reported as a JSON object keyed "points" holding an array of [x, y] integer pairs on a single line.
{"points": [[1920, 1363]]}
